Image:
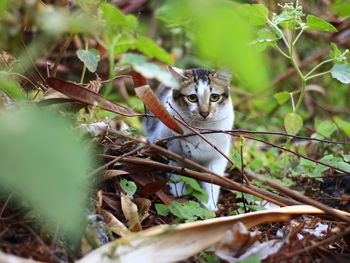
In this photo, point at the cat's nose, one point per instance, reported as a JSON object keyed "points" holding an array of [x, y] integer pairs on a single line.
{"points": [[204, 114]]}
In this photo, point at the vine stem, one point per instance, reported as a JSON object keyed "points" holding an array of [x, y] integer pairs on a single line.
{"points": [[84, 68], [319, 74], [317, 66]]}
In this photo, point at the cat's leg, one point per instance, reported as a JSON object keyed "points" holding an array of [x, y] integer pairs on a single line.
{"points": [[218, 166], [177, 186]]}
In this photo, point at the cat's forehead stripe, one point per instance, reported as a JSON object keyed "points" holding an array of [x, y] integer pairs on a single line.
{"points": [[202, 87]]}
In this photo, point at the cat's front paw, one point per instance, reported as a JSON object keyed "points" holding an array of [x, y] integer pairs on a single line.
{"points": [[177, 189], [210, 205]]}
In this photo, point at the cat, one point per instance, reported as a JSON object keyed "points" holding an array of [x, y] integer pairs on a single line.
{"points": [[202, 100]]}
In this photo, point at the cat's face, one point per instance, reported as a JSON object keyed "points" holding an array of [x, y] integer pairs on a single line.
{"points": [[203, 95]]}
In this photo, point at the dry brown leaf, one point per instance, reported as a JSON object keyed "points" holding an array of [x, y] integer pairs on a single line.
{"points": [[169, 243], [150, 99], [143, 205], [131, 214], [108, 174], [116, 226], [86, 96]]}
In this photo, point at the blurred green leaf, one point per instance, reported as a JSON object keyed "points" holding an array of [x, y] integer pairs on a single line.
{"points": [[265, 38], [3, 6], [45, 164], [223, 36], [335, 52], [343, 125], [256, 14], [189, 210], [162, 210], [325, 129], [128, 186], [148, 69], [293, 123], [90, 58], [11, 87], [316, 23], [341, 72], [152, 50], [342, 9], [115, 18], [282, 97], [251, 259]]}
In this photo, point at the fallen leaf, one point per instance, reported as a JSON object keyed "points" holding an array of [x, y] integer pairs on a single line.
{"points": [[81, 94], [171, 243], [131, 213]]}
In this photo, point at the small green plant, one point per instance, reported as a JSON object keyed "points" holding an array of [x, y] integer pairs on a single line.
{"points": [[189, 211], [286, 29], [128, 187]]}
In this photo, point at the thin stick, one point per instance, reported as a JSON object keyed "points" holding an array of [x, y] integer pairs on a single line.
{"points": [[324, 242], [298, 196], [237, 186]]}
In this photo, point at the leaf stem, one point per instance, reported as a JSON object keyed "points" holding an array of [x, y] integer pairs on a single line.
{"points": [[84, 68], [319, 74], [282, 52], [298, 36], [279, 32], [318, 65]]}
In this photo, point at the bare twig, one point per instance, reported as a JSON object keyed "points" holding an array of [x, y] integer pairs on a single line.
{"points": [[298, 196], [207, 131], [229, 183], [324, 242]]}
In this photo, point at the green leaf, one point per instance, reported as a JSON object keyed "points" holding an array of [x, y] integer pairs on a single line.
{"points": [[3, 6], [282, 97], [90, 58], [162, 210], [128, 186], [11, 88], [341, 72], [250, 259], [54, 164], [325, 129], [346, 157], [342, 9], [343, 125], [265, 38], [335, 52], [316, 23], [115, 18], [189, 210], [293, 123], [200, 195], [217, 41], [152, 50], [148, 69], [256, 14]]}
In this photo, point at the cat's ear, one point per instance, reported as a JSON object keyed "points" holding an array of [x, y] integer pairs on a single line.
{"points": [[223, 75], [178, 74]]}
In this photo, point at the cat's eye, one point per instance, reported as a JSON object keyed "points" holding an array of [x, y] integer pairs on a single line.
{"points": [[214, 97], [192, 98]]}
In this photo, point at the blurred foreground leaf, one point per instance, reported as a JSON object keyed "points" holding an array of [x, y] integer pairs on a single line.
{"points": [[149, 70], [222, 35], [45, 164]]}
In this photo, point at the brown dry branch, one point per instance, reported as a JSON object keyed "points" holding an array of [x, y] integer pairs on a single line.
{"points": [[317, 245], [241, 133], [298, 196], [215, 178]]}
